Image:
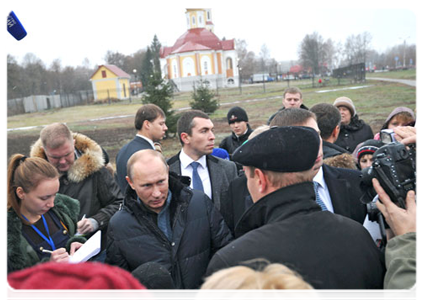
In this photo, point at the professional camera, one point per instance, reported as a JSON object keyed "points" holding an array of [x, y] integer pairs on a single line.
{"points": [[394, 166]]}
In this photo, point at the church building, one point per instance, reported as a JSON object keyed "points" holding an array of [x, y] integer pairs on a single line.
{"points": [[199, 54]]}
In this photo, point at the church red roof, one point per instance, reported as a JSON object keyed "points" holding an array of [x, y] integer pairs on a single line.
{"points": [[197, 39]]}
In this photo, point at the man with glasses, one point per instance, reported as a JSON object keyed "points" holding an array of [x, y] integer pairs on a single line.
{"points": [[84, 177]]}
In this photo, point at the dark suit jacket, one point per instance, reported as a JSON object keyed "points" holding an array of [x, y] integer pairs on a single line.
{"points": [[345, 192], [221, 173], [237, 202], [138, 143]]}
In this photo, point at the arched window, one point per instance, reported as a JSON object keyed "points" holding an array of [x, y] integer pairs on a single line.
{"points": [[205, 63], [188, 67]]}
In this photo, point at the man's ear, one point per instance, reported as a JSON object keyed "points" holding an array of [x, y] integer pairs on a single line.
{"points": [[336, 131], [130, 182], [146, 124], [185, 138], [261, 180]]}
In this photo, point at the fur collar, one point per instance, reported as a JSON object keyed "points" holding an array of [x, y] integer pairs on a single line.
{"points": [[19, 252], [90, 161]]}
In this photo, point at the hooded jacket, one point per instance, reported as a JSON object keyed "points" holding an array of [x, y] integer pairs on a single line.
{"points": [[198, 231], [20, 254], [287, 226], [353, 134]]}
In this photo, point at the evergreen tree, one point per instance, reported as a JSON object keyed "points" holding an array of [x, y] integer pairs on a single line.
{"points": [[160, 93], [203, 99], [155, 53], [147, 68]]}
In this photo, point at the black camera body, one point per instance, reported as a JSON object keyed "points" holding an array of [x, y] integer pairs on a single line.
{"points": [[394, 166]]}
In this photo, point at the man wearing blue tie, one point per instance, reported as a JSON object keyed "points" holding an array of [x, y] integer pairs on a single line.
{"points": [[208, 173]]}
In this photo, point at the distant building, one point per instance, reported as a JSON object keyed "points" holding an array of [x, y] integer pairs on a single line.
{"points": [[199, 54], [110, 82]]}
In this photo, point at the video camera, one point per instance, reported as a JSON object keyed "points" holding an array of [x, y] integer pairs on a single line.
{"points": [[394, 166]]}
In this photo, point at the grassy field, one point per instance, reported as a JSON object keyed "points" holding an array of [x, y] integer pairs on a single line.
{"points": [[406, 74], [112, 125]]}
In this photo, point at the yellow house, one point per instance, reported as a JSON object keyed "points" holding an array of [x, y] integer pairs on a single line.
{"points": [[110, 82]]}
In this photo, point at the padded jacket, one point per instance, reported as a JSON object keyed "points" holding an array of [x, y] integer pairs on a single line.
{"points": [[198, 228]]}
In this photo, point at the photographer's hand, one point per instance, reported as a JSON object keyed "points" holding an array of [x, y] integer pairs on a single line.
{"points": [[400, 220], [405, 134]]}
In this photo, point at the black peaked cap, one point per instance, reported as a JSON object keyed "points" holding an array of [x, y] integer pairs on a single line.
{"points": [[281, 149]]}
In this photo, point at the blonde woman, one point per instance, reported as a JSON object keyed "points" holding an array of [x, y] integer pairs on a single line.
{"points": [[273, 276]]}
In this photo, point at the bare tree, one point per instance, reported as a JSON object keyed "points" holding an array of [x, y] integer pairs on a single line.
{"points": [[311, 52], [357, 47], [246, 59]]}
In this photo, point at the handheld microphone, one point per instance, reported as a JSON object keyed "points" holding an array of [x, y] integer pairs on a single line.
{"points": [[15, 27]]}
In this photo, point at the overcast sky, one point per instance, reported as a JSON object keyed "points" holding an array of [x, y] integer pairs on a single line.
{"points": [[74, 30]]}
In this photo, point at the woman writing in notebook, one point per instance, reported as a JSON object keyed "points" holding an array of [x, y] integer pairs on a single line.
{"points": [[41, 223]]}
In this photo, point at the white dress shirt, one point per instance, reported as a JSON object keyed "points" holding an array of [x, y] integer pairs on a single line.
{"points": [[323, 190], [203, 172]]}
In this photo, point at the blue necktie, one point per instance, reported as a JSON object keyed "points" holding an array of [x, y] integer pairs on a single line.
{"points": [[318, 200], [197, 184]]}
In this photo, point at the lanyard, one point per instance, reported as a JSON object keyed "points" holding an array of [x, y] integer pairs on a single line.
{"points": [[49, 240]]}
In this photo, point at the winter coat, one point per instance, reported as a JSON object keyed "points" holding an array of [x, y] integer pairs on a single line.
{"points": [[287, 226], [89, 182], [400, 256], [330, 150], [198, 231], [230, 143], [353, 134], [20, 254]]}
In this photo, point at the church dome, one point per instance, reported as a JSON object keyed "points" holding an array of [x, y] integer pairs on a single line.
{"points": [[200, 36]]}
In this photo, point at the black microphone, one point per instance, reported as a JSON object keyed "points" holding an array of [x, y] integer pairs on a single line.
{"points": [[15, 27]]}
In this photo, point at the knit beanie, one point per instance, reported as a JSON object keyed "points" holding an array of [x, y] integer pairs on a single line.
{"points": [[237, 114], [87, 275], [367, 147], [347, 102]]}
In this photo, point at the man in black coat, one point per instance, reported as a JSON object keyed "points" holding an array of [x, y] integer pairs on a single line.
{"points": [[286, 225], [166, 222], [241, 130], [151, 127], [338, 188]]}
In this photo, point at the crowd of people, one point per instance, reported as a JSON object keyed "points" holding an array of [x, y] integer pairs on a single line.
{"points": [[278, 207]]}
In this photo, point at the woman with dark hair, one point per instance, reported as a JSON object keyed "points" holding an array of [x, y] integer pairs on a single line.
{"points": [[41, 223]]}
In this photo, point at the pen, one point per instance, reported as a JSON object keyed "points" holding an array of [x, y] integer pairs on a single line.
{"points": [[46, 251], [77, 233]]}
